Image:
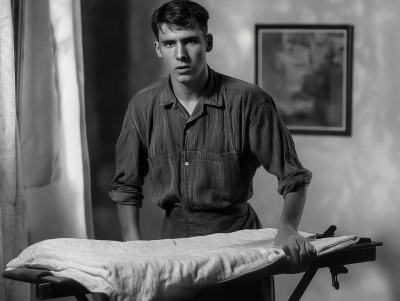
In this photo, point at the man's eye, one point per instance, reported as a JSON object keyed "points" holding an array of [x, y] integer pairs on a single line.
{"points": [[169, 45], [191, 42]]}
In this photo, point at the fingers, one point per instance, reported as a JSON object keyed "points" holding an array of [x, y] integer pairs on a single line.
{"points": [[299, 249], [301, 253], [311, 253], [297, 255], [292, 250]]}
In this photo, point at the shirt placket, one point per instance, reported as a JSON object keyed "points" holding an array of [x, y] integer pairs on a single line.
{"points": [[187, 135]]}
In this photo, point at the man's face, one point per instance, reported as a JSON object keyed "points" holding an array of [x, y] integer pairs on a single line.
{"points": [[183, 52]]}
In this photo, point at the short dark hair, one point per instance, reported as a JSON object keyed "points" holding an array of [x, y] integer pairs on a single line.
{"points": [[179, 15]]}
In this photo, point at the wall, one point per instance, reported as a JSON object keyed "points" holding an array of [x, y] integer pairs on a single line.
{"points": [[355, 178]]}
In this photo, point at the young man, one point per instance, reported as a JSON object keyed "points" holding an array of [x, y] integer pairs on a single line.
{"points": [[201, 135]]}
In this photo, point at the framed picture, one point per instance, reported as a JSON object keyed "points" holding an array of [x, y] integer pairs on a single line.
{"points": [[307, 69]]}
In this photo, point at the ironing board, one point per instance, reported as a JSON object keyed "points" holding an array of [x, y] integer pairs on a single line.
{"points": [[49, 286]]}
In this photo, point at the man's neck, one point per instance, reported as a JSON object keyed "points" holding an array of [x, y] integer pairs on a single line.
{"points": [[189, 94]]}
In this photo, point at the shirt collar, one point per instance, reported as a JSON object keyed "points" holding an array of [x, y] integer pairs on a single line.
{"points": [[212, 94]]}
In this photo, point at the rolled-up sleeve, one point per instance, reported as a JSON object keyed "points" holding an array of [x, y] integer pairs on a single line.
{"points": [[272, 143], [131, 166]]}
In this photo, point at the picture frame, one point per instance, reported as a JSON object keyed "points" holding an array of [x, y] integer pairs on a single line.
{"points": [[307, 69]]}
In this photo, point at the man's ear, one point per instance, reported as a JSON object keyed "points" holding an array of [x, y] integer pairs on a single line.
{"points": [[209, 41], [157, 48]]}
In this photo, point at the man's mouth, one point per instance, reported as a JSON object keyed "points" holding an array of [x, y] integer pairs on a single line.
{"points": [[183, 68]]}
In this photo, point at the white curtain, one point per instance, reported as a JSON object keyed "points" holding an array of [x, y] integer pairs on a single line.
{"points": [[53, 133], [13, 234], [56, 199]]}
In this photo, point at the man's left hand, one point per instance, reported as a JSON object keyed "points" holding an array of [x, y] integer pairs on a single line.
{"points": [[299, 250]]}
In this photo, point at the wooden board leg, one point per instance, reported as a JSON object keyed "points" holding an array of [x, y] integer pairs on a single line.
{"points": [[303, 284]]}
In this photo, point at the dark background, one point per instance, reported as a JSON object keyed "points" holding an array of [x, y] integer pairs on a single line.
{"points": [[115, 70]]}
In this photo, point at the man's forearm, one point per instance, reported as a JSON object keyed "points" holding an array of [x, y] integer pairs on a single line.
{"points": [[293, 209], [296, 247], [129, 222]]}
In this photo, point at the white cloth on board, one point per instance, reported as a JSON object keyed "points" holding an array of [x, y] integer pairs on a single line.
{"points": [[150, 270]]}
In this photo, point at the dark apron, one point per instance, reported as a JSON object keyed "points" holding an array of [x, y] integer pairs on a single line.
{"points": [[181, 224]]}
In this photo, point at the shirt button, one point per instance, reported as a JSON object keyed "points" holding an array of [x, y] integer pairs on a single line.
{"points": [[188, 131], [186, 163]]}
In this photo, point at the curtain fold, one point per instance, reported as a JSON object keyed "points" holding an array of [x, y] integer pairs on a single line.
{"points": [[77, 31], [53, 132], [39, 104], [13, 234]]}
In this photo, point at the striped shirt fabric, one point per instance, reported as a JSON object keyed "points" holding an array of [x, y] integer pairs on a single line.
{"points": [[207, 160]]}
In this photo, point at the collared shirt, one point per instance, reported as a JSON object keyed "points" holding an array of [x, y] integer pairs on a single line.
{"points": [[206, 160]]}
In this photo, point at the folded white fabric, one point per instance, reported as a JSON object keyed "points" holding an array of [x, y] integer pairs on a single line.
{"points": [[149, 270]]}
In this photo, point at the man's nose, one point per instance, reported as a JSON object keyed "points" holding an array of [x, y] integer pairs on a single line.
{"points": [[181, 52]]}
